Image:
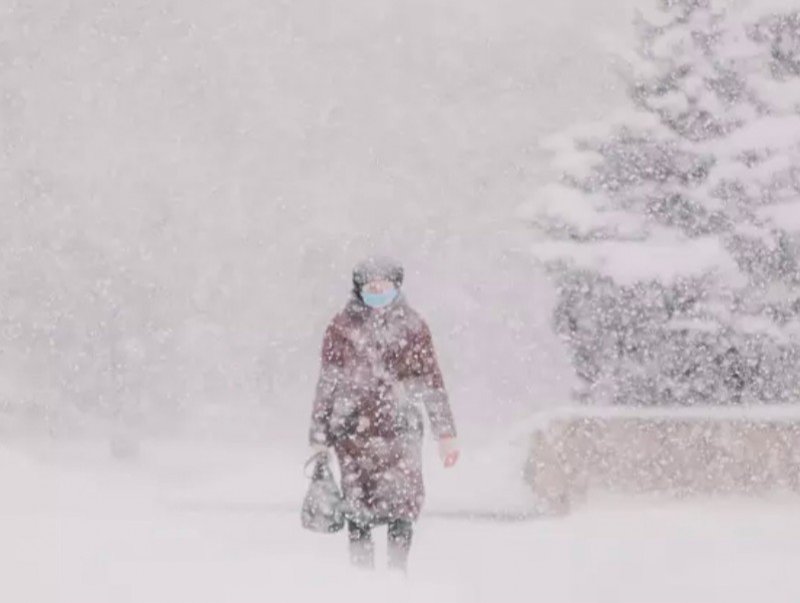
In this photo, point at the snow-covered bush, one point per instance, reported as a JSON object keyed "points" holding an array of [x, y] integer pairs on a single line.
{"points": [[673, 234]]}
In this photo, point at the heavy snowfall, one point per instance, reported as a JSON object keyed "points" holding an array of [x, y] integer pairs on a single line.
{"points": [[597, 206]]}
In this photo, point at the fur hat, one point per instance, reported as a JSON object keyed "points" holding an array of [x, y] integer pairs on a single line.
{"points": [[377, 268]]}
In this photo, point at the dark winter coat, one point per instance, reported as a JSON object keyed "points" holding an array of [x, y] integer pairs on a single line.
{"points": [[378, 370]]}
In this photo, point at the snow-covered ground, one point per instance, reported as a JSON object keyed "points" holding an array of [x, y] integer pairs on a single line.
{"points": [[209, 523]]}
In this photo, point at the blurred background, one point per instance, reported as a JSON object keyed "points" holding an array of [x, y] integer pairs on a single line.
{"points": [[185, 186]]}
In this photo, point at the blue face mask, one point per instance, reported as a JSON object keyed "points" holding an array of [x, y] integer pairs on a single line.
{"points": [[379, 300]]}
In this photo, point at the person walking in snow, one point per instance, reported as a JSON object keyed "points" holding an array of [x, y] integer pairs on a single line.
{"points": [[379, 369]]}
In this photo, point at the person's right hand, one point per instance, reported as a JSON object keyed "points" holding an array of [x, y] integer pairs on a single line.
{"points": [[319, 449]]}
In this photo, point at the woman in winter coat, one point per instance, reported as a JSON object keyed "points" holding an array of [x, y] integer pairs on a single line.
{"points": [[378, 371]]}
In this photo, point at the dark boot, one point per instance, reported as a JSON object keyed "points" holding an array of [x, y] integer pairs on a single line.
{"points": [[400, 532], [362, 550]]}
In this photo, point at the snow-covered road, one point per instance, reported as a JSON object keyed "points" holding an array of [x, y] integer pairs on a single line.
{"points": [[216, 525]]}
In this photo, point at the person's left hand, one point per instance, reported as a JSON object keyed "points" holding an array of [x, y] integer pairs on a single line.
{"points": [[448, 451]]}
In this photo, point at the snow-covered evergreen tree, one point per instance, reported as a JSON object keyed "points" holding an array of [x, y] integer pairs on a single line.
{"points": [[674, 232]]}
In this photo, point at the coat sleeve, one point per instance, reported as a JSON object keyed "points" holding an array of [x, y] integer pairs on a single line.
{"points": [[329, 378], [426, 385]]}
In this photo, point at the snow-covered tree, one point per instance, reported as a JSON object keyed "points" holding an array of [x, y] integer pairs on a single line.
{"points": [[674, 231]]}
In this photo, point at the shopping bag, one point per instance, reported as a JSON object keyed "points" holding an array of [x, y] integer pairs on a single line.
{"points": [[323, 506]]}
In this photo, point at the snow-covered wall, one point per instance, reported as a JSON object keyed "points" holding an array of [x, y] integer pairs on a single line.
{"points": [[672, 452]]}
